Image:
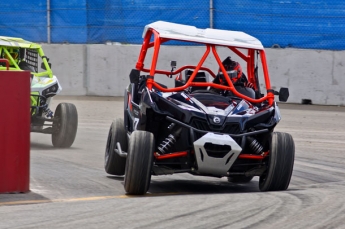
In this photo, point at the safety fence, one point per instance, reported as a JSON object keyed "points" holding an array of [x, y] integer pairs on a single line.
{"points": [[306, 24]]}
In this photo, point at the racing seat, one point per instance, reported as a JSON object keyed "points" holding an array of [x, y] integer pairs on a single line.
{"points": [[247, 91], [200, 77], [239, 86]]}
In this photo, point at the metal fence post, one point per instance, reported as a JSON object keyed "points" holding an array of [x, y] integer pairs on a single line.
{"points": [[48, 21], [211, 14]]}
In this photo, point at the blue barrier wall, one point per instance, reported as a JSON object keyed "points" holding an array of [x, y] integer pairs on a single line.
{"points": [[22, 18], [123, 20], [69, 21], [316, 24]]}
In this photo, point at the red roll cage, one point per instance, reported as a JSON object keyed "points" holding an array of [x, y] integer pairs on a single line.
{"points": [[249, 58]]}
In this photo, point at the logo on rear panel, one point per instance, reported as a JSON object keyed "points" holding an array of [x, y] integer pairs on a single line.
{"points": [[216, 120]]}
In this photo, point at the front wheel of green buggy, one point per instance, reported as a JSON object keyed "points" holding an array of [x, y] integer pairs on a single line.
{"points": [[65, 125]]}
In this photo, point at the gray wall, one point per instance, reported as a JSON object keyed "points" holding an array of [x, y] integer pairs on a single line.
{"points": [[102, 69]]}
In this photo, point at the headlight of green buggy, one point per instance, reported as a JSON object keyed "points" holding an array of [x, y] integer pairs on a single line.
{"points": [[50, 90]]}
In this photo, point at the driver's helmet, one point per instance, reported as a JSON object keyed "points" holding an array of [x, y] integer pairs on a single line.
{"points": [[233, 69]]}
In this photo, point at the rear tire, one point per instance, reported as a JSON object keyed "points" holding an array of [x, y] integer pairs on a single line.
{"points": [[65, 125], [139, 162], [280, 163], [240, 179], [114, 164]]}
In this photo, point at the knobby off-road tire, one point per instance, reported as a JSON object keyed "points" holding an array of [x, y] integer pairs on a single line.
{"points": [[239, 179], [139, 162], [65, 125], [280, 163], [114, 164]]}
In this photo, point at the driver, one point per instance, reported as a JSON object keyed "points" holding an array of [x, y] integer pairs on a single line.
{"points": [[237, 77], [17, 56], [234, 70]]}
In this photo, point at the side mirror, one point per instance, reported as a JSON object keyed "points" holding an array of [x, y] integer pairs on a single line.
{"points": [[283, 94], [134, 76], [44, 67]]}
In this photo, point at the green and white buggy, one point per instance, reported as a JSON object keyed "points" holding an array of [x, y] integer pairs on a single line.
{"points": [[24, 55]]}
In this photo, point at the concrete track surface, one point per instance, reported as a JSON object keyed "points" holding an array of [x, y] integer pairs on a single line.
{"points": [[70, 189]]}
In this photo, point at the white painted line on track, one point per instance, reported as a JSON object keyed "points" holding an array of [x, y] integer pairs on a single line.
{"points": [[92, 198], [21, 202]]}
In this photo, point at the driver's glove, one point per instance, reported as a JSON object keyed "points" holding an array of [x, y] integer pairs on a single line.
{"points": [[249, 84]]}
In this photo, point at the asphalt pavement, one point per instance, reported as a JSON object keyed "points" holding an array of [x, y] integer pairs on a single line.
{"points": [[70, 189]]}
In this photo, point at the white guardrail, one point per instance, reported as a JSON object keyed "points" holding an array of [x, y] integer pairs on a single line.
{"points": [[103, 69]]}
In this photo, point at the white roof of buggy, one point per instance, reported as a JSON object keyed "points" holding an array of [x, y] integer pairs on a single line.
{"points": [[207, 36]]}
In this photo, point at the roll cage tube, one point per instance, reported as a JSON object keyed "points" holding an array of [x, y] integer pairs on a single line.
{"points": [[249, 59], [167, 73], [12, 61], [251, 67], [143, 51], [45, 62]]}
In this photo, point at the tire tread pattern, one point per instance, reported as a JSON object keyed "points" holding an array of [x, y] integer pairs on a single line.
{"points": [[68, 120], [139, 163], [281, 161]]}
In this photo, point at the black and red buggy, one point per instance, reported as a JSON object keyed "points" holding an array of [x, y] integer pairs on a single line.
{"points": [[199, 125]]}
